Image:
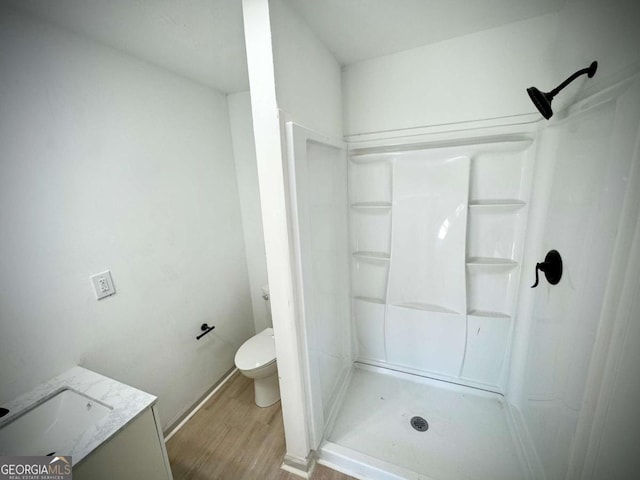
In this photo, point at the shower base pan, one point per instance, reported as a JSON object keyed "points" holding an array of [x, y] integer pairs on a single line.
{"points": [[470, 434]]}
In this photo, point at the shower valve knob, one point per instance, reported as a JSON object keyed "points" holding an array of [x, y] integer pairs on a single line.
{"points": [[551, 267]]}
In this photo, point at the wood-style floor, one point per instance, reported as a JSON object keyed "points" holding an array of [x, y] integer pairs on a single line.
{"points": [[230, 438]]}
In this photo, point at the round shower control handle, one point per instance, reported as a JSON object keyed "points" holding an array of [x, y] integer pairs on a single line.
{"points": [[551, 267]]}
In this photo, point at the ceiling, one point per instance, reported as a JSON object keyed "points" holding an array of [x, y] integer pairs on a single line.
{"points": [[204, 39], [200, 39], [355, 30]]}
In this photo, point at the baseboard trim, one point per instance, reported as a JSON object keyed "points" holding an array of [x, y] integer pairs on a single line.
{"points": [[299, 467], [173, 429]]}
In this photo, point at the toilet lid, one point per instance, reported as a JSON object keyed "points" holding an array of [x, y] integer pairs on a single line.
{"points": [[258, 351]]}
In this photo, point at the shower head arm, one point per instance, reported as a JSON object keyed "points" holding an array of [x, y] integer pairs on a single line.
{"points": [[590, 71]]}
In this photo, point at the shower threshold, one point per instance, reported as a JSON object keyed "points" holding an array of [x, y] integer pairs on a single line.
{"points": [[469, 435]]}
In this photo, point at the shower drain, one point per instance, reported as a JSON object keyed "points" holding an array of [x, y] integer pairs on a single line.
{"points": [[419, 423]]}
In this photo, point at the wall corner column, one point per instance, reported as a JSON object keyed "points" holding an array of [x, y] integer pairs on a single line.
{"points": [[270, 156]]}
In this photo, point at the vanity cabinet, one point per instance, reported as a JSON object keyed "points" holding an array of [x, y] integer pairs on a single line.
{"points": [[136, 452]]}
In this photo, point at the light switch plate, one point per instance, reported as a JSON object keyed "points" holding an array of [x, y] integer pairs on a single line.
{"points": [[103, 285]]}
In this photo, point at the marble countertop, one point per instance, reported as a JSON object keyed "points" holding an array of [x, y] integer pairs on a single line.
{"points": [[125, 402]]}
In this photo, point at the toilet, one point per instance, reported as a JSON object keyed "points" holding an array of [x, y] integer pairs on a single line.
{"points": [[256, 359]]}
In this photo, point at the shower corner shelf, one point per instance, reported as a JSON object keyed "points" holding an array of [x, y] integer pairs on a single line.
{"points": [[369, 158], [372, 255], [487, 313], [507, 204], [491, 262], [371, 205], [425, 307], [378, 301]]}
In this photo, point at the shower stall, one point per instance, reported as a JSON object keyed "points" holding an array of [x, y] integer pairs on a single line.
{"points": [[415, 258]]}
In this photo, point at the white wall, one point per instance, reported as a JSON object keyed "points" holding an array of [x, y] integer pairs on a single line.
{"points": [[309, 92], [484, 75], [570, 339], [271, 177], [585, 218], [308, 77], [479, 76], [607, 432], [602, 30], [290, 71], [244, 153], [108, 162], [614, 454]]}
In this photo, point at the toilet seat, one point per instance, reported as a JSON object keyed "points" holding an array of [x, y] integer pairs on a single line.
{"points": [[259, 351]]}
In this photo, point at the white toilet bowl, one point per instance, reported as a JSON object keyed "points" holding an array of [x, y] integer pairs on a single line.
{"points": [[256, 359]]}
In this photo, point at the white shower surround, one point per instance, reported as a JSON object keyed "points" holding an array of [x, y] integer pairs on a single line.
{"points": [[437, 233], [501, 162], [415, 326], [422, 77]]}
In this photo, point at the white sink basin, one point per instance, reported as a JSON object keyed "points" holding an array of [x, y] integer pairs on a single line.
{"points": [[55, 425]]}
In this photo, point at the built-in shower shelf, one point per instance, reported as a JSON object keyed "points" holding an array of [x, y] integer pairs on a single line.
{"points": [[379, 301], [425, 307], [371, 205], [368, 158], [487, 313], [403, 293], [497, 204], [372, 255], [490, 262]]}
